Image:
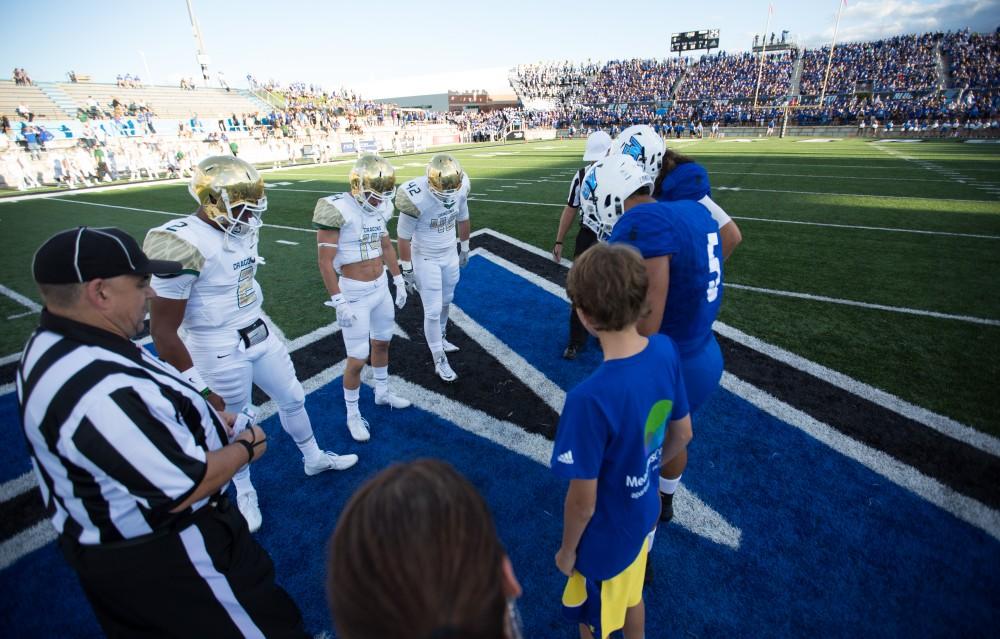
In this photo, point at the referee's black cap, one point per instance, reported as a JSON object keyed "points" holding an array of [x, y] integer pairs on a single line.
{"points": [[88, 253]]}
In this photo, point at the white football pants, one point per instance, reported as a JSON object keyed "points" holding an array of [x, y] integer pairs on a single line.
{"points": [[372, 304], [230, 370], [437, 276]]}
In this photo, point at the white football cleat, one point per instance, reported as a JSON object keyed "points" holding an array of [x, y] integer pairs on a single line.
{"points": [[358, 426], [247, 504], [447, 346], [443, 369], [395, 401], [329, 461]]}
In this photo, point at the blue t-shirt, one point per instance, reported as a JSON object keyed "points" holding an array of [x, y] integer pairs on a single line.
{"points": [[686, 231], [612, 429], [688, 181]]}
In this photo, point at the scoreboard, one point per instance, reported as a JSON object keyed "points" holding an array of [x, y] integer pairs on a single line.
{"points": [[695, 40]]}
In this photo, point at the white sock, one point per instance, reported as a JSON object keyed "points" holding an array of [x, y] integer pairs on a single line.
{"points": [[432, 329], [381, 375], [669, 486], [444, 318], [310, 450], [351, 396], [242, 480]]}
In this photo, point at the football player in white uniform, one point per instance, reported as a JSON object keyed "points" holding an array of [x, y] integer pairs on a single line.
{"points": [[216, 302], [430, 207], [354, 250]]}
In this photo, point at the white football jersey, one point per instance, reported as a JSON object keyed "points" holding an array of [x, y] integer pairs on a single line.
{"points": [[218, 281], [435, 222], [360, 231]]}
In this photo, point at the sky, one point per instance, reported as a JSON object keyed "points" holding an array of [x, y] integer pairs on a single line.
{"points": [[393, 48]]}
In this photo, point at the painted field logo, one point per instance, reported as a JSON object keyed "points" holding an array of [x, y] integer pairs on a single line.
{"points": [[656, 424]]}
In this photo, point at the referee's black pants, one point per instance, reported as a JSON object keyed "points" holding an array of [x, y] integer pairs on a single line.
{"points": [[209, 579], [585, 238]]}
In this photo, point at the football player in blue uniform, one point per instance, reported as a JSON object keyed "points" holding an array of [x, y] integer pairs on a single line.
{"points": [[681, 178], [680, 244]]}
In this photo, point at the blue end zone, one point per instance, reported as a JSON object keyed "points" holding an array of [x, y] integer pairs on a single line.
{"points": [[828, 547]]}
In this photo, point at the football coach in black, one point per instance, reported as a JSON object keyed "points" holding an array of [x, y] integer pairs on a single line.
{"points": [[132, 461]]}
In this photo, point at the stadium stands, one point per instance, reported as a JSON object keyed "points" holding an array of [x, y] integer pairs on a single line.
{"points": [[922, 78], [973, 59], [165, 102], [12, 96], [734, 77]]}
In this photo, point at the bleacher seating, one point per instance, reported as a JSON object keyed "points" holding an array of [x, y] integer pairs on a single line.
{"points": [[165, 102], [34, 98]]}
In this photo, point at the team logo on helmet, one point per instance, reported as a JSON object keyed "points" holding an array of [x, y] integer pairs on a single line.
{"points": [[635, 148]]}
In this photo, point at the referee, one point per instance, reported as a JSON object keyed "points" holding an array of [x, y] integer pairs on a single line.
{"points": [[598, 144], [131, 459]]}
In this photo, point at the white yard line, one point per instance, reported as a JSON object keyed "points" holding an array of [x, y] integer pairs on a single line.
{"points": [[879, 307], [868, 228], [32, 306]]}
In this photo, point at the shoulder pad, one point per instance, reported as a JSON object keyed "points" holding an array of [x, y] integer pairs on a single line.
{"points": [[405, 203], [161, 244], [327, 215]]}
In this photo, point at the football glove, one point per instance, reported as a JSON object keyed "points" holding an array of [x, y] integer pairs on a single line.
{"points": [[400, 290], [345, 315], [463, 254], [409, 279]]}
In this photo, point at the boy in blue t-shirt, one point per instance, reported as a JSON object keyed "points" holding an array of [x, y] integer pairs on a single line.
{"points": [[616, 428]]}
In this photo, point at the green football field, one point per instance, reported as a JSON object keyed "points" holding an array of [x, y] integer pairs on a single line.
{"points": [[877, 260]]}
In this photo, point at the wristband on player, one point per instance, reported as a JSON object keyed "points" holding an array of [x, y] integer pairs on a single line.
{"points": [[397, 279], [406, 266], [194, 378], [465, 246], [337, 299]]}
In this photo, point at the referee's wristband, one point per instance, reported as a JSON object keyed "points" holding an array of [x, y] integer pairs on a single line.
{"points": [[248, 446]]}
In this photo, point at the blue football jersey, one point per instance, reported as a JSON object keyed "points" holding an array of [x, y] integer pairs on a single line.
{"points": [[686, 231], [688, 181]]}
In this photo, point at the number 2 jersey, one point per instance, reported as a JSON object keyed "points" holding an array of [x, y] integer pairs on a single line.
{"points": [[218, 279], [361, 232], [686, 231], [434, 232]]}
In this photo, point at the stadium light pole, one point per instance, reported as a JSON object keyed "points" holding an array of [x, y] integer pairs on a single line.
{"points": [[829, 60], [201, 56]]}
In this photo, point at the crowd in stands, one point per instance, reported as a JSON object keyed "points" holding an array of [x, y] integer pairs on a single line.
{"points": [[559, 80], [902, 63], [21, 78], [628, 81], [974, 59], [722, 76]]}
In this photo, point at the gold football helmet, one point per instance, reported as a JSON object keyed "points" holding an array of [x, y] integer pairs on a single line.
{"points": [[444, 177], [221, 184], [373, 182]]}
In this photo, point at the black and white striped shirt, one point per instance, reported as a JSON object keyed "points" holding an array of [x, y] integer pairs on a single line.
{"points": [[574, 188], [117, 438]]}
